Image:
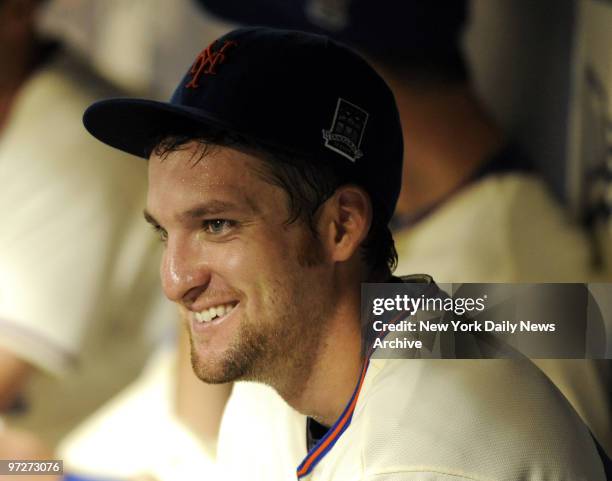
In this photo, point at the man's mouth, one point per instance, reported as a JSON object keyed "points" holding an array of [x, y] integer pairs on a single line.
{"points": [[214, 313]]}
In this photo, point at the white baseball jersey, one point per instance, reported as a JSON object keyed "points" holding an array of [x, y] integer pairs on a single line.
{"points": [[418, 420]]}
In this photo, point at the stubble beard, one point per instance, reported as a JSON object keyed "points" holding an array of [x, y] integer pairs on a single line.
{"points": [[282, 353], [281, 356]]}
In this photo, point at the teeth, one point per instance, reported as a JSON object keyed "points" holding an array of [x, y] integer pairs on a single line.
{"points": [[213, 312]]}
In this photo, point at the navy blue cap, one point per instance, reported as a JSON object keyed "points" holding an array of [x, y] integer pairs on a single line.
{"points": [[397, 31], [299, 92]]}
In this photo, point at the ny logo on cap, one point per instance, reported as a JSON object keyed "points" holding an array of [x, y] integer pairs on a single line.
{"points": [[346, 131], [207, 61]]}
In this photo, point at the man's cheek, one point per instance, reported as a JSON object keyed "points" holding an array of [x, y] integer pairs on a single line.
{"points": [[231, 260]]}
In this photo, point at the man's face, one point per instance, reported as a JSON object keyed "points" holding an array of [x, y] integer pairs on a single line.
{"points": [[255, 292]]}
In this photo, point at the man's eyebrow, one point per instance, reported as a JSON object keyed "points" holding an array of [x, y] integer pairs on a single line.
{"points": [[213, 207], [149, 218]]}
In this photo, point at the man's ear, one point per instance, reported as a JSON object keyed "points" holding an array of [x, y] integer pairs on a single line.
{"points": [[345, 221]]}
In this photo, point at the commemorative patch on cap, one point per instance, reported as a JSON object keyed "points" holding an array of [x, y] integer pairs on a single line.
{"points": [[346, 131], [266, 86]]}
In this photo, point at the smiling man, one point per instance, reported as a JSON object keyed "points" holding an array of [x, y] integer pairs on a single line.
{"points": [[252, 313], [273, 173]]}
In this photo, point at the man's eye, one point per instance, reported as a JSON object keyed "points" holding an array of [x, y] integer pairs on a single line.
{"points": [[217, 226], [161, 232]]}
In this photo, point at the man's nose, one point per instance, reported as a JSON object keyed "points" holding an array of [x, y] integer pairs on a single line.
{"points": [[184, 274]]}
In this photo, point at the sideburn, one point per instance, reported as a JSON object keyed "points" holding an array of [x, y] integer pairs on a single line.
{"points": [[310, 252]]}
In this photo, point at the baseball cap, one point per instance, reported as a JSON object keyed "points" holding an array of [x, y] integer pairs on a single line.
{"points": [[300, 92], [397, 32]]}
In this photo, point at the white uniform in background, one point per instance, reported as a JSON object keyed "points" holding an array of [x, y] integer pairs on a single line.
{"points": [[78, 266], [508, 228], [138, 433], [501, 228]]}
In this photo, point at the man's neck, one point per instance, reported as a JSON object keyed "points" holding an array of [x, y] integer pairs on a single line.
{"points": [[447, 137], [336, 369]]}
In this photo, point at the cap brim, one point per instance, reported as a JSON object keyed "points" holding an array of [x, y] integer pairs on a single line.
{"points": [[132, 125]]}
